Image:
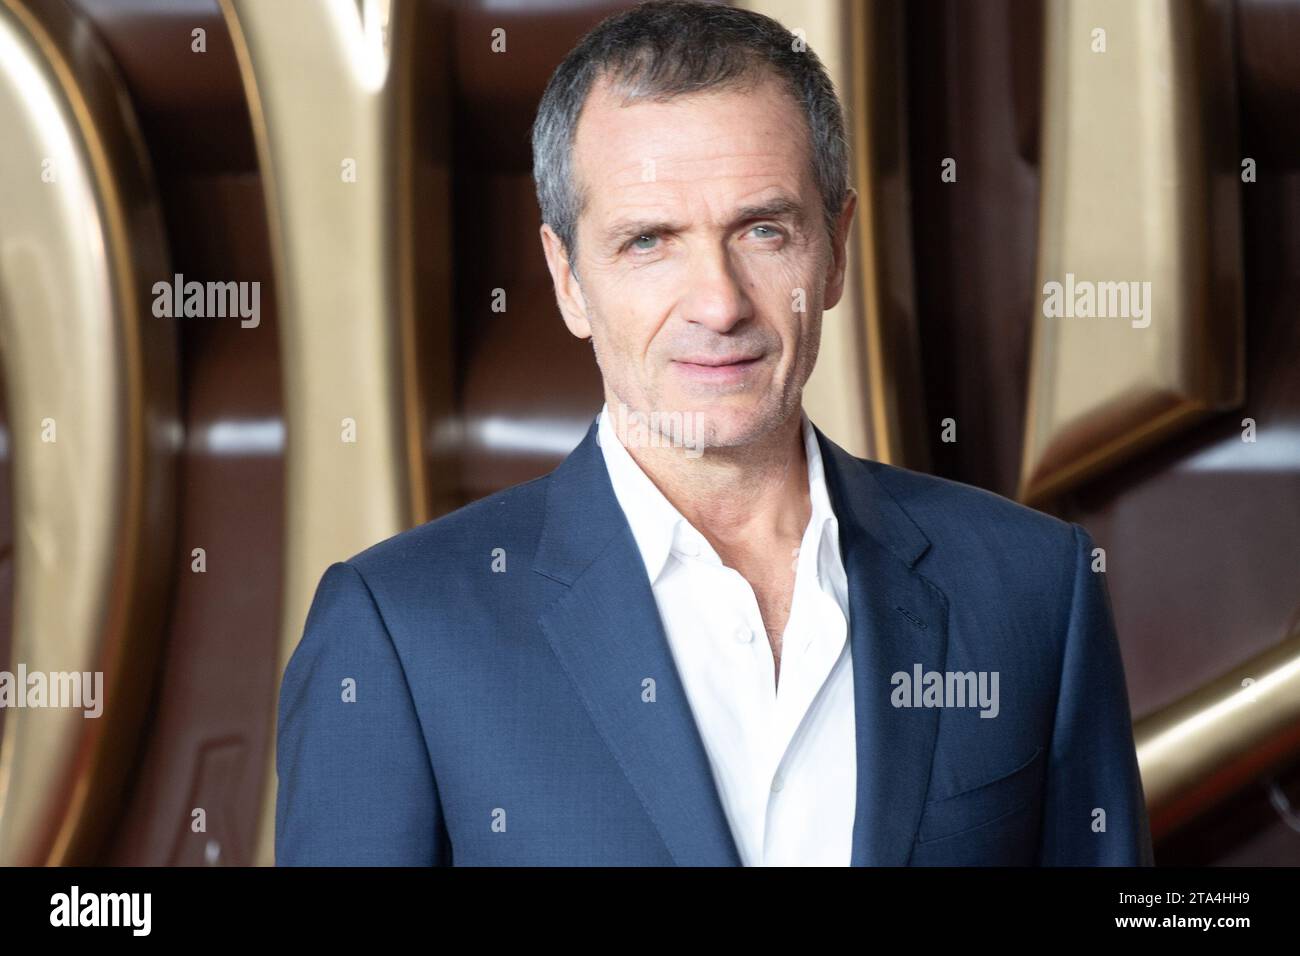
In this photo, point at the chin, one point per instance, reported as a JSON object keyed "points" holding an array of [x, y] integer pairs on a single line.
{"points": [[728, 427]]}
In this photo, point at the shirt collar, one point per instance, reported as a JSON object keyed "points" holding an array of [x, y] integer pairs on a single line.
{"points": [[660, 529]]}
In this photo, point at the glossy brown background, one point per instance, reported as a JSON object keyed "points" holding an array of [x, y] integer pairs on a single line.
{"points": [[1203, 543]]}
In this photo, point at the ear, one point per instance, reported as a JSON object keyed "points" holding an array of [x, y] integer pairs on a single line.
{"points": [[568, 293], [839, 251]]}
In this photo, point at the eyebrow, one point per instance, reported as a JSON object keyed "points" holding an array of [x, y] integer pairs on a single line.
{"points": [[779, 207]]}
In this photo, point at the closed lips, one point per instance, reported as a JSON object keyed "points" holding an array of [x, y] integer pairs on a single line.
{"points": [[714, 363]]}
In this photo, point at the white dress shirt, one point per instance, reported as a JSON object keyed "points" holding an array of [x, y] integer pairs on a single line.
{"points": [[783, 757]]}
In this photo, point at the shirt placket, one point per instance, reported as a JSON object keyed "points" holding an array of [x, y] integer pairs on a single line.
{"points": [[737, 635]]}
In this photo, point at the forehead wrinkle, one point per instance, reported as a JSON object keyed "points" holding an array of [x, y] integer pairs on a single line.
{"points": [[669, 168], [655, 136], [628, 209], [632, 194]]}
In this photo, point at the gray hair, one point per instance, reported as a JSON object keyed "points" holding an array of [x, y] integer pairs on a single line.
{"points": [[666, 48]]}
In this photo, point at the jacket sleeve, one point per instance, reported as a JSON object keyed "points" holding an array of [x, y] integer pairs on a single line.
{"points": [[1095, 812], [356, 787]]}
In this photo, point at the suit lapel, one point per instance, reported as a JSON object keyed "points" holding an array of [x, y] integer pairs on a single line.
{"points": [[606, 631], [897, 620]]}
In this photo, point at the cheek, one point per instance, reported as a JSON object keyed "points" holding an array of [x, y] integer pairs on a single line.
{"points": [[782, 286], [810, 344], [792, 300], [624, 341]]}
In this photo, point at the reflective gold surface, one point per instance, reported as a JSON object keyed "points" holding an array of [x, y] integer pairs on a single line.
{"points": [[86, 364], [1137, 186], [1221, 738], [1140, 184], [891, 342], [321, 78]]}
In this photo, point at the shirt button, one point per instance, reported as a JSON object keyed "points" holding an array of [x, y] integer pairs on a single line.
{"points": [[778, 783], [744, 635]]}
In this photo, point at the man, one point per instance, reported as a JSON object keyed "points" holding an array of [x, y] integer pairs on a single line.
{"points": [[710, 636]]}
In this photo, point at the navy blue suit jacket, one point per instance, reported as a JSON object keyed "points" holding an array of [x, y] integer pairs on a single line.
{"points": [[497, 659]]}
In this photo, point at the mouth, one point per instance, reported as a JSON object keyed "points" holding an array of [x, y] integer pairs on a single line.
{"points": [[715, 362], [719, 370]]}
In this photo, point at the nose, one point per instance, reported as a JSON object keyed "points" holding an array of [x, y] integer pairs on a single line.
{"points": [[716, 296]]}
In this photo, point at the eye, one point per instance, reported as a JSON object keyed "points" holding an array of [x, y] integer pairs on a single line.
{"points": [[635, 243], [772, 231]]}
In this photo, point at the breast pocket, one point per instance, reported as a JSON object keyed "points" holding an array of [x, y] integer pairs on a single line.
{"points": [[983, 805]]}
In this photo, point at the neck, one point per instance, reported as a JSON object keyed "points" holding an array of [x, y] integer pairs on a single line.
{"points": [[739, 497]]}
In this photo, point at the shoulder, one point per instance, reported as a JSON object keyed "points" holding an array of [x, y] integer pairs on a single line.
{"points": [[936, 500], [509, 519], [972, 529]]}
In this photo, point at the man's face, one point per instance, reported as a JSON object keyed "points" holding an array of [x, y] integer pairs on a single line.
{"points": [[703, 257]]}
